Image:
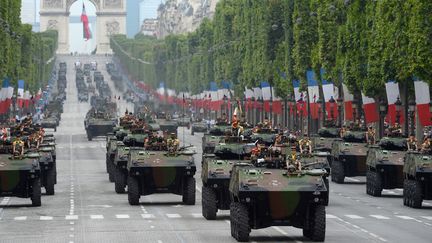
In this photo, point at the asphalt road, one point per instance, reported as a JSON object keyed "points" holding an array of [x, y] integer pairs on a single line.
{"points": [[85, 207]]}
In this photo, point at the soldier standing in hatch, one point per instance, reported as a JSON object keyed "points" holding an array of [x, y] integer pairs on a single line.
{"points": [[426, 146], [173, 143], [412, 143], [305, 145]]}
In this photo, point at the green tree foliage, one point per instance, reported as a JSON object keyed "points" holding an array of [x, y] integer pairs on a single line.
{"points": [[362, 43], [24, 54]]}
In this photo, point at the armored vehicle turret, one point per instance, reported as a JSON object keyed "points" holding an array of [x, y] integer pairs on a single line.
{"points": [[385, 165], [349, 156], [211, 138], [99, 123], [263, 197], [198, 126], [417, 172]]}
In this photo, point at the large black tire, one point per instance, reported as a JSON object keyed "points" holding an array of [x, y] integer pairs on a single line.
{"points": [[326, 198], [89, 137], [133, 190], [111, 172], [317, 224], [337, 172], [233, 219], [36, 193], [192, 132], [119, 180], [242, 225], [189, 191], [209, 203], [416, 194], [405, 192], [373, 183], [50, 181]]}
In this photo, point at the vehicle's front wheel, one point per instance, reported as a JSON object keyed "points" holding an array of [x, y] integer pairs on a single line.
{"points": [[50, 182], [189, 191], [36, 193], [209, 203], [337, 172], [119, 180], [316, 224], [133, 191]]}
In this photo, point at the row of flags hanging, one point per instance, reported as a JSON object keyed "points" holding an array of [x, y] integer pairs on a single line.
{"points": [[23, 97], [261, 97]]}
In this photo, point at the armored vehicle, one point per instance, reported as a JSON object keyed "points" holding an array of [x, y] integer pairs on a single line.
{"points": [[50, 122], [184, 121], [48, 168], [265, 135], [200, 126], [167, 126], [349, 156], [135, 138], [211, 138], [20, 177], [98, 124], [161, 172], [385, 165], [417, 172], [263, 197], [216, 173], [110, 155], [323, 141]]}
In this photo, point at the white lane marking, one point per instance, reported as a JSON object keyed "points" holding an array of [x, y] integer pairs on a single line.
{"points": [[197, 215], [173, 215], [159, 241], [278, 229], [147, 216], [331, 216], [427, 217], [404, 217], [122, 216], [20, 218], [45, 218], [353, 216], [71, 217], [97, 216], [379, 216], [352, 179]]}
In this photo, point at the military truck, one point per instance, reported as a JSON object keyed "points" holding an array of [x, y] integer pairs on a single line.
{"points": [[20, 177], [349, 156], [417, 172], [263, 197], [385, 165], [48, 169], [216, 173], [161, 172]]}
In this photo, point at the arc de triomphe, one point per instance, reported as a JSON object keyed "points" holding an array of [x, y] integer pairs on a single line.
{"points": [[111, 19]]}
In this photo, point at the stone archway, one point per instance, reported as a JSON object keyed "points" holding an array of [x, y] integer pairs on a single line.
{"points": [[110, 19]]}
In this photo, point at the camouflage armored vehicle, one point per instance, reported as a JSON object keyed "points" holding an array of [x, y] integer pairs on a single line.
{"points": [[48, 168], [161, 172], [349, 156], [267, 136], [212, 138], [110, 155], [183, 121], [263, 197], [119, 167], [135, 138], [323, 141], [167, 126], [200, 126], [417, 172], [216, 173], [50, 122], [20, 177], [99, 124], [385, 165]]}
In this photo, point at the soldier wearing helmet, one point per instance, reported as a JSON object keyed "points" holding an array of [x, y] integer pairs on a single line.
{"points": [[371, 135], [305, 145], [412, 143]]}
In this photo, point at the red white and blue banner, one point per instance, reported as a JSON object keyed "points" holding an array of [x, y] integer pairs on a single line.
{"points": [[392, 90], [20, 93], [266, 95], [422, 98], [329, 91], [348, 102], [313, 90], [370, 109], [86, 28]]}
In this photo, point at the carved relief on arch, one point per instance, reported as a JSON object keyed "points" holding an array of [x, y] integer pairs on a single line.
{"points": [[95, 2], [112, 28], [113, 3], [53, 4], [52, 24]]}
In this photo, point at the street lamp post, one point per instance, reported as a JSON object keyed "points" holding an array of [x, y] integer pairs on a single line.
{"points": [[292, 115], [340, 104], [320, 118], [261, 100], [411, 109], [383, 111], [354, 107], [253, 116], [225, 101], [332, 106], [271, 112], [398, 105]]}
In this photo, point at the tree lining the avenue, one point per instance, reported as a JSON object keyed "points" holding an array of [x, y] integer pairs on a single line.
{"points": [[24, 54], [360, 42]]}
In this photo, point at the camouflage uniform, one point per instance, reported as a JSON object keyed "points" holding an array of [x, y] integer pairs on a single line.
{"points": [[412, 143], [370, 135]]}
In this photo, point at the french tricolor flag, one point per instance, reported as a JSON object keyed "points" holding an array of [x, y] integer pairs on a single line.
{"points": [[313, 90], [20, 93], [422, 100], [215, 104], [370, 109], [3, 96], [258, 95], [348, 101], [266, 95], [392, 90], [299, 98], [329, 92], [248, 93], [161, 91]]}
